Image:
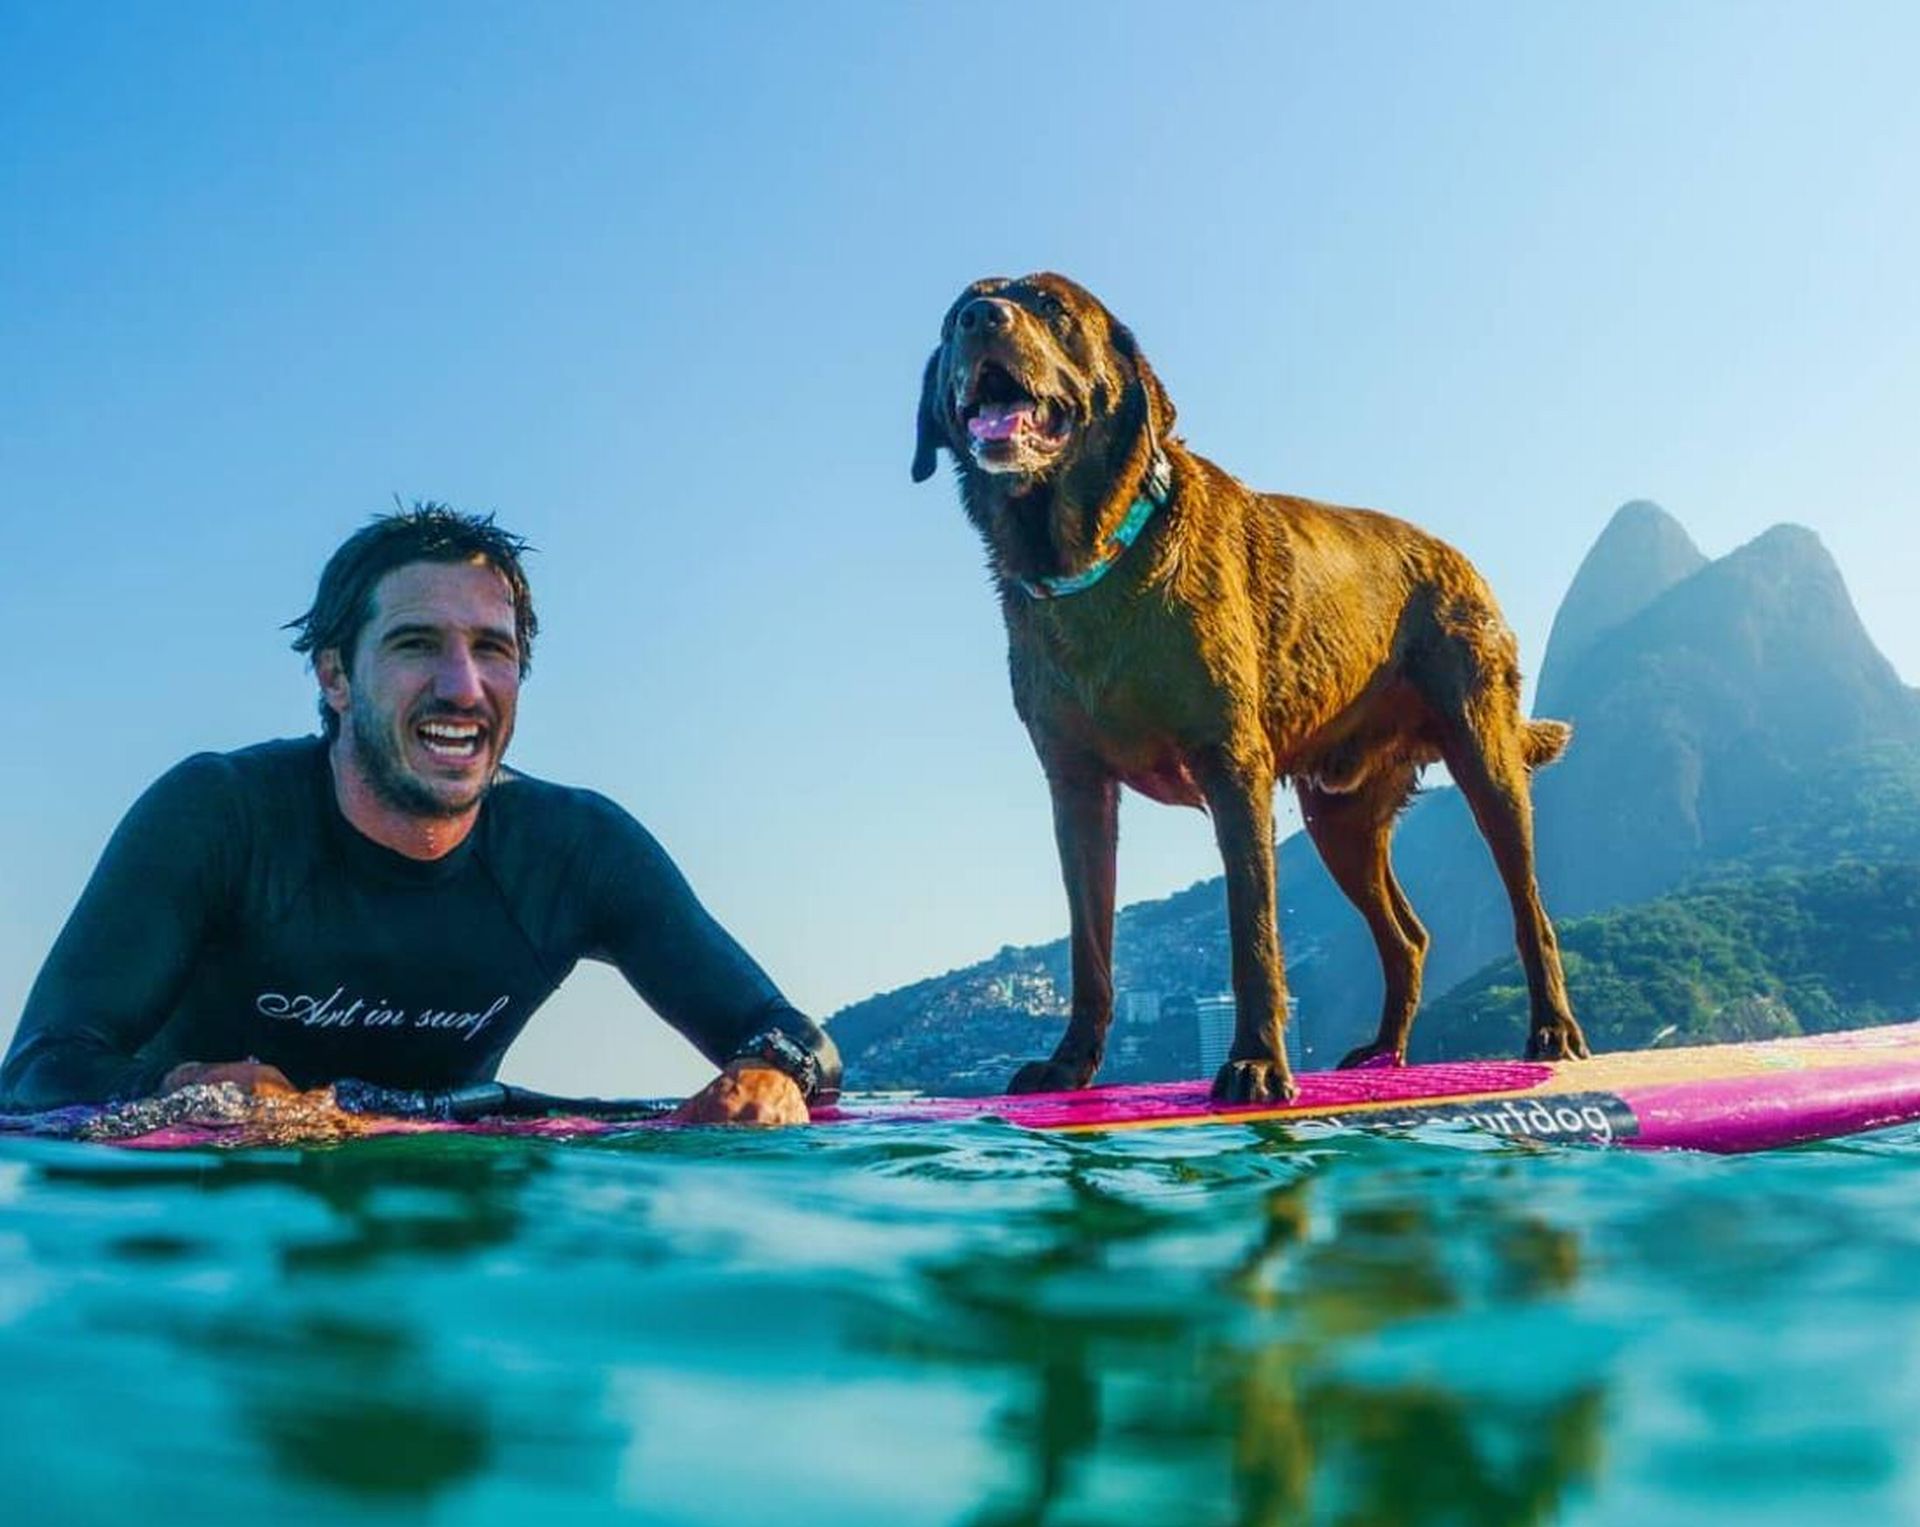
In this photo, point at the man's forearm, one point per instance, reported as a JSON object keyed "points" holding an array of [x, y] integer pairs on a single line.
{"points": [[119, 964], [690, 969], [52, 1070]]}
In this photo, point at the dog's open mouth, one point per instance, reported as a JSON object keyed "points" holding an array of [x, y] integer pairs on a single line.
{"points": [[997, 409]]}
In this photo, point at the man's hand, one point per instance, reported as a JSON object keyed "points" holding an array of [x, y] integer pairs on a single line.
{"points": [[249, 1075], [746, 1093]]}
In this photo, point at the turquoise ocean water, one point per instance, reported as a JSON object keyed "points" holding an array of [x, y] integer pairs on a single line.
{"points": [[960, 1324]]}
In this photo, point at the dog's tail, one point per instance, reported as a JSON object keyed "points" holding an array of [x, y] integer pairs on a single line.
{"points": [[1545, 741]]}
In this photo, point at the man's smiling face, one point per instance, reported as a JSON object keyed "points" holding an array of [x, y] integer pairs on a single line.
{"points": [[428, 706]]}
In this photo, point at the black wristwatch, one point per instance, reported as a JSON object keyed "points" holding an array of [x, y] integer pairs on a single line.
{"points": [[780, 1050]]}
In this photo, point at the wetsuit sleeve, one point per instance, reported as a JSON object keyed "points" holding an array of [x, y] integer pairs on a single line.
{"points": [[684, 965], [120, 963]]}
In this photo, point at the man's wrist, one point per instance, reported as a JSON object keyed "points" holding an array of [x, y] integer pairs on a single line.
{"points": [[780, 1051]]}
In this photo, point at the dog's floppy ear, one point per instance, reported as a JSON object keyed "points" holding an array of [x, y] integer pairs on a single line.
{"points": [[1159, 405], [928, 436]]}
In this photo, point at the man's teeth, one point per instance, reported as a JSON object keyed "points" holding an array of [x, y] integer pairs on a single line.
{"points": [[445, 737]]}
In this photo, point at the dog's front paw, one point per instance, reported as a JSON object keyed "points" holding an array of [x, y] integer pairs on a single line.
{"points": [[1373, 1057], [1255, 1081], [1559, 1040], [1045, 1076]]}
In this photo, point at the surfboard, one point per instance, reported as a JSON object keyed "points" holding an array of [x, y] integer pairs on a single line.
{"points": [[1723, 1098]]}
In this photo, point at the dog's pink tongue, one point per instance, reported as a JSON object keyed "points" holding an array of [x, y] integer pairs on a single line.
{"points": [[999, 421]]}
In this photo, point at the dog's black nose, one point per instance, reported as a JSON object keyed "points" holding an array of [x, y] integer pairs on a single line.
{"points": [[987, 314]]}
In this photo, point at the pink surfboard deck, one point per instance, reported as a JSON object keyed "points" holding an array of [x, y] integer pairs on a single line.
{"points": [[1740, 1097]]}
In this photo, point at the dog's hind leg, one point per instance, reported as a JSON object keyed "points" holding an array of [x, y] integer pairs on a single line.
{"points": [[1239, 794], [1486, 748], [1086, 827], [1353, 832]]}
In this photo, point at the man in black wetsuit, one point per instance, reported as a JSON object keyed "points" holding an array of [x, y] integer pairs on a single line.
{"points": [[386, 901]]}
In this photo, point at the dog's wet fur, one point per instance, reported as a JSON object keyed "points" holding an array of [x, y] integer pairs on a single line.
{"points": [[1245, 638]]}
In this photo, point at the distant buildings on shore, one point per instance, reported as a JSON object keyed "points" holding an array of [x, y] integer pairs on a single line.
{"points": [[973, 1040], [1213, 1029], [1199, 1028]]}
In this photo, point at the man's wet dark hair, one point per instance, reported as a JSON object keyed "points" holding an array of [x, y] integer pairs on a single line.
{"points": [[427, 532]]}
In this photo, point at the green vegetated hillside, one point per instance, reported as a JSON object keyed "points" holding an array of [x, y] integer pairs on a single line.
{"points": [[1761, 958], [1734, 726]]}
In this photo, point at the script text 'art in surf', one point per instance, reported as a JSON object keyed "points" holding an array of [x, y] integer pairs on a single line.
{"points": [[337, 1010]]}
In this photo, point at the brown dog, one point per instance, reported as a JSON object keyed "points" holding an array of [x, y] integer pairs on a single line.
{"points": [[1172, 630]]}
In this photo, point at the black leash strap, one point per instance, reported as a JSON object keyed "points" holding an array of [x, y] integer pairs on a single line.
{"points": [[489, 1100]]}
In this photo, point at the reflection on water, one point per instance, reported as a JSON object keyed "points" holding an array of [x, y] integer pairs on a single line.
{"points": [[1225, 1388], [352, 1404], [965, 1325]]}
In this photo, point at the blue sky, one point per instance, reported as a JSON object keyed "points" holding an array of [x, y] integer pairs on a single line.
{"points": [[655, 284]]}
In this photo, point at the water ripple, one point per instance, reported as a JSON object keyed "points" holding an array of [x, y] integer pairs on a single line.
{"points": [[963, 1324]]}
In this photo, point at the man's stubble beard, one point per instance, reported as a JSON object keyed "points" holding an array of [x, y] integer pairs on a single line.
{"points": [[389, 779]]}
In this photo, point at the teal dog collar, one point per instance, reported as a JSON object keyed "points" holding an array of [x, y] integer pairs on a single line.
{"points": [[1154, 493]]}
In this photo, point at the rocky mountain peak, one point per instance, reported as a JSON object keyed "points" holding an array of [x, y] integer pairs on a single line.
{"points": [[1771, 620], [1643, 552]]}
